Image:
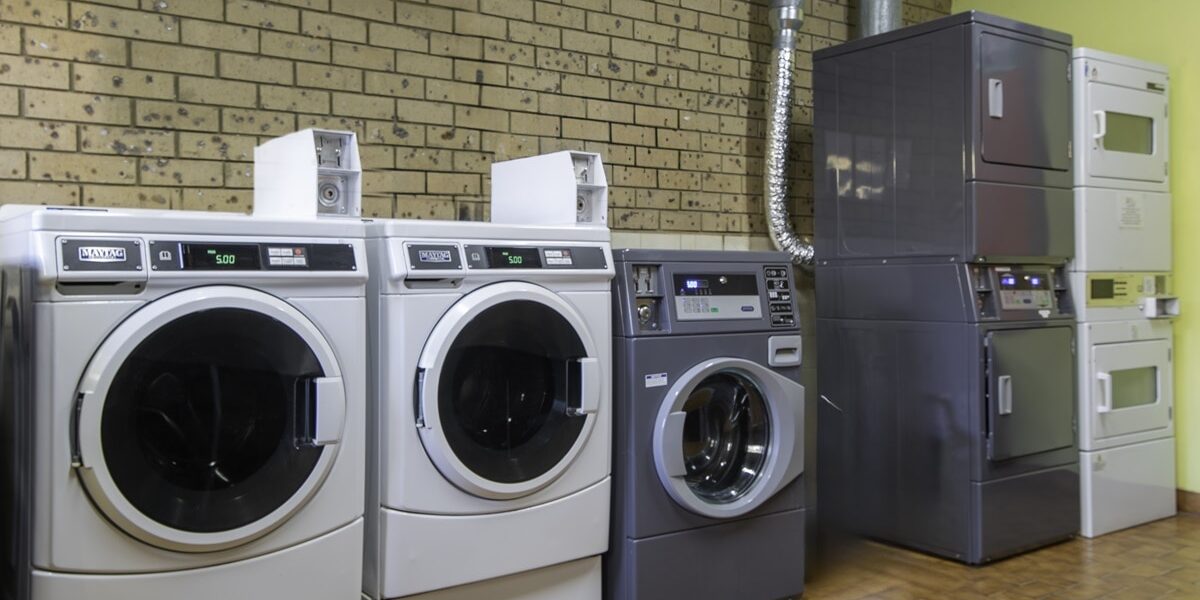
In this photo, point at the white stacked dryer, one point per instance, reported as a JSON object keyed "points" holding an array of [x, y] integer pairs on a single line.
{"points": [[1121, 281], [491, 422], [183, 403]]}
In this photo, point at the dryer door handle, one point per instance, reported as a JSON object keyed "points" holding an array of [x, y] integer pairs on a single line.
{"points": [[1106, 392], [589, 387], [322, 411]]}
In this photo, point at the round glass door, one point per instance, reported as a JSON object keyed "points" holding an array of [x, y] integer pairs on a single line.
{"points": [[196, 418], [729, 435], [509, 381], [726, 436], [199, 426]]}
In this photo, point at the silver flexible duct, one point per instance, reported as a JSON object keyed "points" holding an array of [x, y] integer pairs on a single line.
{"points": [[878, 16], [786, 17]]}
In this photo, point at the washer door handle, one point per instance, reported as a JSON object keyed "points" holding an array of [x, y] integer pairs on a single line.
{"points": [[589, 387]]}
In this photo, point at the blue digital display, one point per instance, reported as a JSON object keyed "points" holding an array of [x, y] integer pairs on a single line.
{"points": [[692, 284]]}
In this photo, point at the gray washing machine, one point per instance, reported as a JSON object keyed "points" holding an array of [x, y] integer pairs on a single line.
{"points": [[708, 428]]}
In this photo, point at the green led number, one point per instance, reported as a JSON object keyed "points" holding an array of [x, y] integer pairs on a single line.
{"points": [[515, 259], [226, 259]]}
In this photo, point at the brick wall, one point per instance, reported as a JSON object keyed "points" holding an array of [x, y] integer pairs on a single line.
{"points": [[159, 103]]}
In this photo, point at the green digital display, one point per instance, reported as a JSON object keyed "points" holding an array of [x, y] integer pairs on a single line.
{"points": [[218, 257], [514, 258]]}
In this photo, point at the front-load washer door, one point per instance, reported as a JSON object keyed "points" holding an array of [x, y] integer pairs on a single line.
{"points": [[207, 418], [729, 435], [1131, 388], [509, 384]]}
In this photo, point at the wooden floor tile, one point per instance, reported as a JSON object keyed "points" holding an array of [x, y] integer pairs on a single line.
{"points": [[1157, 561]]}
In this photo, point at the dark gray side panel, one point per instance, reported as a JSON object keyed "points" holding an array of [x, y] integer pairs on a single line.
{"points": [[16, 433], [895, 443]]}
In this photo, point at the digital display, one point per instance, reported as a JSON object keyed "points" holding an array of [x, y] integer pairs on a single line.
{"points": [[742, 284], [222, 257], [514, 258], [1103, 289], [1024, 281]]}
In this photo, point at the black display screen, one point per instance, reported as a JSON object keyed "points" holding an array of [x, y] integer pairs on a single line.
{"points": [[714, 284], [1024, 281], [514, 258], [1103, 289], [222, 257]]}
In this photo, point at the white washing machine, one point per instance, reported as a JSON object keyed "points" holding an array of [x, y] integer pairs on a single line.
{"points": [[492, 379], [184, 403], [1123, 293]]}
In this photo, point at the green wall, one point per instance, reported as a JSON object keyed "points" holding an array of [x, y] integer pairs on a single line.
{"points": [[1161, 31]]}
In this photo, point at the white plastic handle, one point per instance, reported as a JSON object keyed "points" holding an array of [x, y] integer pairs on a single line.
{"points": [[331, 411], [1106, 397], [1101, 124], [589, 375]]}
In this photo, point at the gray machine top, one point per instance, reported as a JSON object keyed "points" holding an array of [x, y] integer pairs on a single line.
{"points": [[955, 20], [687, 292]]}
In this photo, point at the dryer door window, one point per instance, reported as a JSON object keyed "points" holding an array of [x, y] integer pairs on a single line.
{"points": [[207, 418], [200, 425], [505, 397], [726, 435], [509, 384]]}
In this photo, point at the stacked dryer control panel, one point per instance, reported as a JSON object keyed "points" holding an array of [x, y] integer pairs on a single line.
{"points": [[1122, 285], [945, 322]]}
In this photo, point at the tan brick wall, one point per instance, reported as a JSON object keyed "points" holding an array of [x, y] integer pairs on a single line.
{"points": [[159, 103]]}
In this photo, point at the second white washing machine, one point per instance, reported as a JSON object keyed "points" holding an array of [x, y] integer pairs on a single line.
{"points": [[491, 422]]}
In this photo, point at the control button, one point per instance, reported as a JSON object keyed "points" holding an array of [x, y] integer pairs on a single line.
{"points": [[275, 251], [300, 261], [778, 284], [276, 261], [287, 260], [787, 296], [782, 320], [773, 295], [781, 308]]}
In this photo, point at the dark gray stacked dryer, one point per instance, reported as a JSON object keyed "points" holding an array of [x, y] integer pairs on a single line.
{"points": [[945, 334], [708, 428]]}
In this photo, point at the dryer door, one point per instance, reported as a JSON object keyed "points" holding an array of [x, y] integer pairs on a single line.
{"points": [[729, 435], [509, 385], [1131, 388], [207, 418]]}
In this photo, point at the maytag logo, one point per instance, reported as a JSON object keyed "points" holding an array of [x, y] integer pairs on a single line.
{"points": [[434, 256], [101, 254]]}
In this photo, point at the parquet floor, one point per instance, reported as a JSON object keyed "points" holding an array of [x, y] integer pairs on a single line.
{"points": [[1158, 560]]}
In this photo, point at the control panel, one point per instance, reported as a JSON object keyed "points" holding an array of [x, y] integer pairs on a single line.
{"points": [[1017, 292], [716, 296], [1126, 289], [455, 257], [239, 256], [733, 298], [779, 295], [534, 257]]}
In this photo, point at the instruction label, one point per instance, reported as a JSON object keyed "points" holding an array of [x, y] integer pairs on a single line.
{"points": [[654, 380], [1131, 212]]}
